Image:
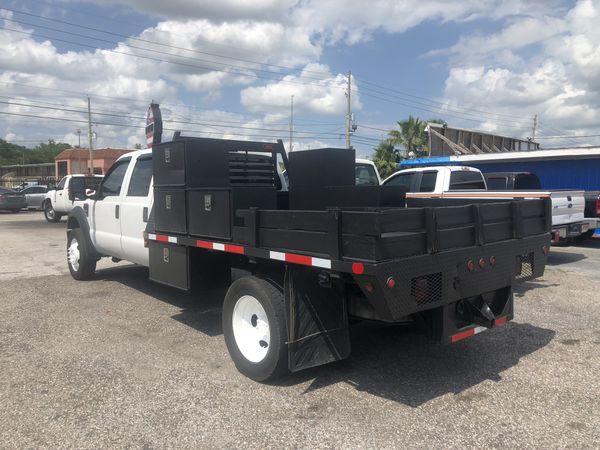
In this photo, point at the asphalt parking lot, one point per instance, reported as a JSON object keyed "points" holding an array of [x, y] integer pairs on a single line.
{"points": [[122, 362]]}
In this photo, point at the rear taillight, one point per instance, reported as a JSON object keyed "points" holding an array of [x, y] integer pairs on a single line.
{"points": [[598, 206]]}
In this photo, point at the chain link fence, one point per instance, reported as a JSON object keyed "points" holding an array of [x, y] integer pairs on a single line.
{"points": [[20, 183]]}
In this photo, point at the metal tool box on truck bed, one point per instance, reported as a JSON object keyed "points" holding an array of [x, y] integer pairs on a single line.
{"points": [[360, 252]]}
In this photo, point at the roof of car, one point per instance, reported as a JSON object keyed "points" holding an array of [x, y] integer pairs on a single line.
{"points": [[505, 174]]}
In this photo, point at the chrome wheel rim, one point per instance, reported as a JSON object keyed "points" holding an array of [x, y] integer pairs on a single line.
{"points": [[50, 212], [73, 254]]}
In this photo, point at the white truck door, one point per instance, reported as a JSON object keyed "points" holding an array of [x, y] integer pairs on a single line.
{"points": [[106, 222], [135, 207], [57, 194], [62, 197]]}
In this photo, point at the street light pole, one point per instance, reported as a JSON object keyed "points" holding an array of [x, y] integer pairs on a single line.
{"points": [[90, 136]]}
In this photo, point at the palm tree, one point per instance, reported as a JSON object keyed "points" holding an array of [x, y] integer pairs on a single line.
{"points": [[386, 158], [411, 135]]}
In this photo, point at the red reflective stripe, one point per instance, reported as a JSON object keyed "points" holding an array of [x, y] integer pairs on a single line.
{"points": [[162, 238], [204, 244], [234, 249], [500, 321], [358, 268], [463, 335], [298, 259]]}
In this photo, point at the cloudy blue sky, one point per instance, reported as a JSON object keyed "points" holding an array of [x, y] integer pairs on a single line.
{"points": [[229, 68]]}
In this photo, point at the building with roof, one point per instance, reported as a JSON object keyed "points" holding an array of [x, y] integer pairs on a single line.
{"points": [[76, 160]]}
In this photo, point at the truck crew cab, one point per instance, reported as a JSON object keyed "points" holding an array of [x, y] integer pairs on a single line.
{"points": [[316, 252]]}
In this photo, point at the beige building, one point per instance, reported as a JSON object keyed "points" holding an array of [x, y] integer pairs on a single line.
{"points": [[74, 160]]}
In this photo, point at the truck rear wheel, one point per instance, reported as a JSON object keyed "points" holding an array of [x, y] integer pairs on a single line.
{"points": [[254, 328], [81, 265], [50, 214]]}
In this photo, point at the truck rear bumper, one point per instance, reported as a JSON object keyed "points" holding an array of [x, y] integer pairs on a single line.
{"points": [[572, 230], [411, 285]]}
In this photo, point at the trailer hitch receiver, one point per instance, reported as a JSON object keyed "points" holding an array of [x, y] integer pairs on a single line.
{"points": [[476, 311]]}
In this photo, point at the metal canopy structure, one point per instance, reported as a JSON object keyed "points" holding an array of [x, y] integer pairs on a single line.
{"points": [[445, 140]]}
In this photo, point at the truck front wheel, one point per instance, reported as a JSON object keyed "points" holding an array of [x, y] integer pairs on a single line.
{"points": [[254, 328], [81, 265], [50, 214]]}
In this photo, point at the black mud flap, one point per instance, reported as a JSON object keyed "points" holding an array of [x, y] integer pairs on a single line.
{"points": [[318, 321]]}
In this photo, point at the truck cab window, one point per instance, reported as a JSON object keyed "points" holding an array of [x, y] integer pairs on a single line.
{"points": [[428, 180], [364, 175], [461, 180], [404, 179], [114, 179], [61, 185], [141, 177]]}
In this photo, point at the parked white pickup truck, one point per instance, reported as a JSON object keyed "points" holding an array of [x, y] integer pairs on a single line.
{"points": [[468, 182], [59, 201]]}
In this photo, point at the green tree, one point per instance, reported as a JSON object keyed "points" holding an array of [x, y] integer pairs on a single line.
{"points": [[386, 158], [45, 153], [138, 146], [11, 153], [411, 135]]}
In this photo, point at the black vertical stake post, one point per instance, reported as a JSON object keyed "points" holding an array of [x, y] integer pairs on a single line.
{"points": [[478, 222], [253, 226], [430, 228], [548, 214], [517, 219], [334, 232]]}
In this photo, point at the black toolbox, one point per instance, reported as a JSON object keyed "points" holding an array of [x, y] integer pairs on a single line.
{"points": [[199, 183], [170, 209]]}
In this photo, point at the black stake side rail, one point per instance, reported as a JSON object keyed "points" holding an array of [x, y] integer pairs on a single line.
{"points": [[354, 267]]}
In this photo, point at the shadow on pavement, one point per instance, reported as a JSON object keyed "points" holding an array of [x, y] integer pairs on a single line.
{"points": [[393, 362], [202, 314], [587, 243], [399, 364], [558, 258], [521, 288]]}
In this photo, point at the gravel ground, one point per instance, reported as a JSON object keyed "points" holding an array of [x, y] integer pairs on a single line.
{"points": [[122, 362]]}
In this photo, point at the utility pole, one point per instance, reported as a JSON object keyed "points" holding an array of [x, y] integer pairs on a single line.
{"points": [[90, 136], [535, 124], [348, 111], [291, 122]]}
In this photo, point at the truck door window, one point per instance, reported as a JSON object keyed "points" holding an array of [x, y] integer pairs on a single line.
{"points": [[61, 185], [496, 183], [428, 182], [461, 180], [113, 181], [141, 177], [403, 179]]}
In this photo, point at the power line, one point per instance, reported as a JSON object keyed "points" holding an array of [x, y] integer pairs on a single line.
{"points": [[412, 103], [247, 71], [510, 116], [124, 36], [476, 117], [570, 137], [522, 127], [143, 118]]}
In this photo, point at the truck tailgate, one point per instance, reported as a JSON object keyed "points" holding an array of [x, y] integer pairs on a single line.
{"points": [[567, 207]]}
